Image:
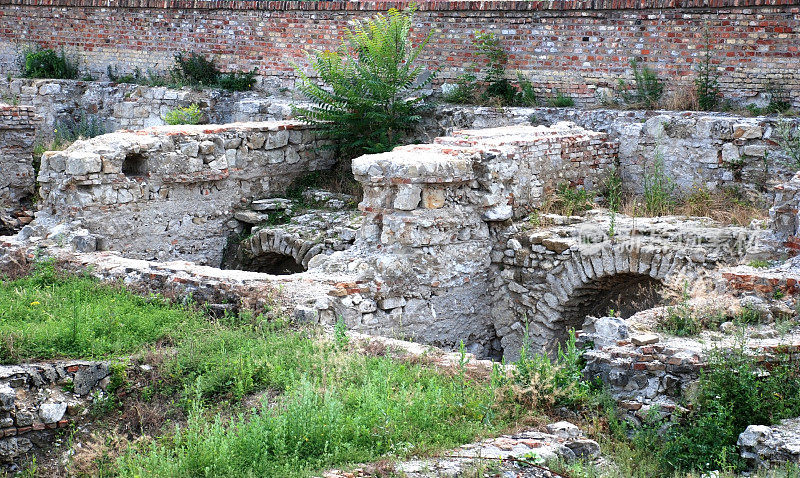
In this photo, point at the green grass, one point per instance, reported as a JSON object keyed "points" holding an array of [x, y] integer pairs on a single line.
{"points": [[347, 409], [46, 315], [330, 405]]}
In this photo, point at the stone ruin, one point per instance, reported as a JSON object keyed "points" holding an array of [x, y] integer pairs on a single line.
{"points": [[172, 192], [441, 254], [446, 246], [17, 133]]}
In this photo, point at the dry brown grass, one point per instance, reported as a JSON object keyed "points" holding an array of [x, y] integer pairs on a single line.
{"points": [[681, 98], [726, 207]]}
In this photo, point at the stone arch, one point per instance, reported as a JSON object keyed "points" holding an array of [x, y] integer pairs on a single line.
{"points": [[274, 251], [625, 276]]}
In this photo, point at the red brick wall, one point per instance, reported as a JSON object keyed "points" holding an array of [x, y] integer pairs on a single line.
{"points": [[577, 46]]}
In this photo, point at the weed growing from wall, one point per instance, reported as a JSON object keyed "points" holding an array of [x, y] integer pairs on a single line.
{"points": [[613, 193], [706, 83], [659, 187], [561, 100], [570, 200], [47, 63], [185, 115], [647, 88], [494, 88], [788, 137], [69, 129]]}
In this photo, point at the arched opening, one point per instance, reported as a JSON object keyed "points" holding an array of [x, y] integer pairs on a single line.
{"points": [[620, 294], [272, 263], [134, 165]]}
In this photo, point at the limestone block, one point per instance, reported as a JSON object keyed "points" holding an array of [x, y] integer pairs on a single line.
{"points": [[432, 198], [7, 398], [730, 153], [191, 148], [52, 412], [277, 139], [407, 197], [79, 163], [256, 140], [291, 156], [757, 150]]}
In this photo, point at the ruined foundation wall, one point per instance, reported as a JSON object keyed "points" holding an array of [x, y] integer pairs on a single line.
{"points": [[422, 259], [643, 371], [580, 48], [714, 151], [17, 131], [171, 192], [700, 149], [36, 400], [127, 106]]}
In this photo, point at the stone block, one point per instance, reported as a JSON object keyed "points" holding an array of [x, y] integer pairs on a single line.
{"points": [[407, 198], [82, 163]]}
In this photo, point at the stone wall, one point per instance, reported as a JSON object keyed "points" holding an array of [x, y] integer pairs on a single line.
{"points": [[645, 370], [710, 150], [17, 130], [551, 278], [172, 192], [714, 151], [36, 400], [443, 256], [128, 106], [421, 265], [582, 48], [771, 446]]}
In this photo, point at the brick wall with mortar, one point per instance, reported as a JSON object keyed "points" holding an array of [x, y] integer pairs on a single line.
{"points": [[578, 47], [17, 133]]}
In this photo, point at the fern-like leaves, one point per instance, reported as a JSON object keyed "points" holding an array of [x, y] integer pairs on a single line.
{"points": [[365, 95]]}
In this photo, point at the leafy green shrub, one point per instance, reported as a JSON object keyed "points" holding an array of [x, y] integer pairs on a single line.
{"points": [[238, 81], [788, 137], [369, 91], [465, 90], [494, 88], [561, 101], [747, 315], [732, 393], [647, 89], [68, 130], [194, 69], [539, 382], [570, 200], [613, 195], [184, 115], [46, 63]]}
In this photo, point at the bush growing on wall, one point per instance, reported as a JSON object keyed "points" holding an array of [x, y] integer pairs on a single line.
{"points": [[186, 115], [46, 63], [194, 69], [369, 90], [494, 88], [647, 88]]}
